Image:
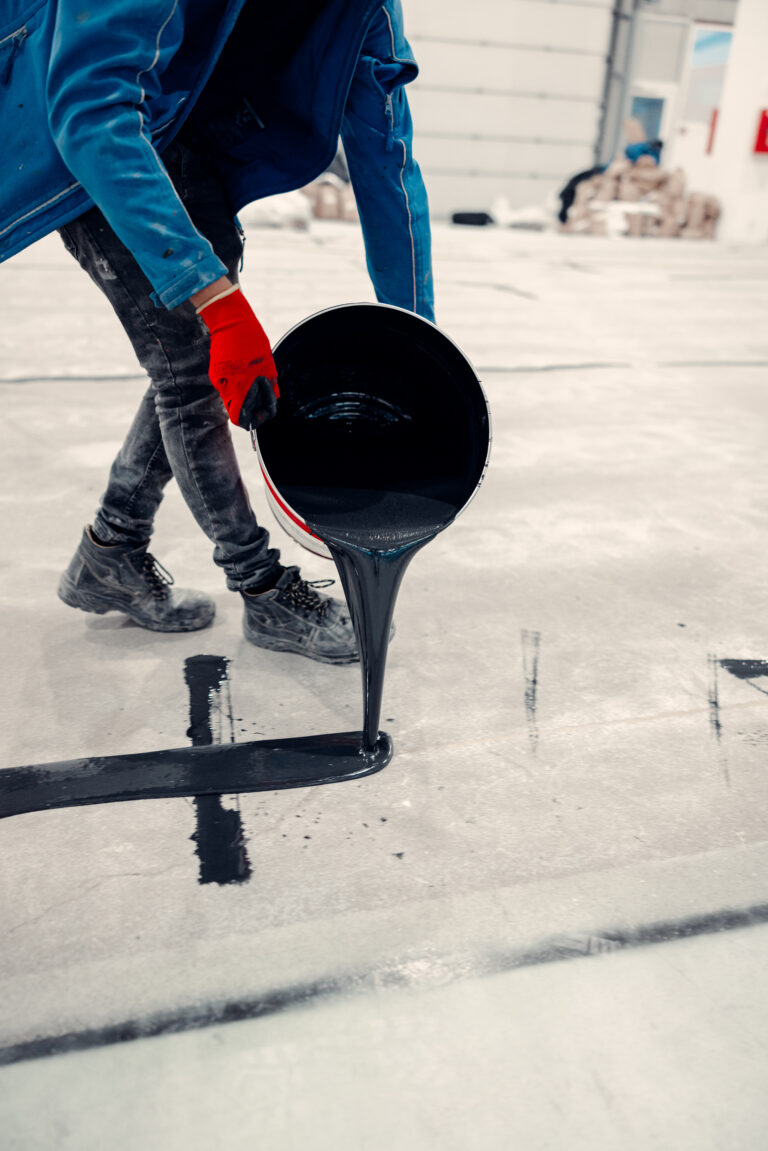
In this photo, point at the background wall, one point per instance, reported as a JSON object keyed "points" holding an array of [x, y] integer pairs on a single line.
{"points": [[741, 175], [515, 96], [509, 97]]}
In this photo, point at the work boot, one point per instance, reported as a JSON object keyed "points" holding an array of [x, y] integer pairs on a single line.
{"points": [[126, 578], [293, 617]]}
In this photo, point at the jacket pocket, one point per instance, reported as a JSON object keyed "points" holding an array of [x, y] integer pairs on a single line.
{"points": [[385, 65], [386, 53], [377, 98]]}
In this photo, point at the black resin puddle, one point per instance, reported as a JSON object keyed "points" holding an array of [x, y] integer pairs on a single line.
{"points": [[262, 765], [219, 836]]}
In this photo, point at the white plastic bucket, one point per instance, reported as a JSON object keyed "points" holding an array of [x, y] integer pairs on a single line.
{"points": [[373, 399]]}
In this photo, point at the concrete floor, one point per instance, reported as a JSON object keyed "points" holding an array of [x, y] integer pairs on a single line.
{"points": [[543, 925]]}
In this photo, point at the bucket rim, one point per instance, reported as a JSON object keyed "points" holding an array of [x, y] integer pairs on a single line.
{"points": [[379, 306], [280, 501]]}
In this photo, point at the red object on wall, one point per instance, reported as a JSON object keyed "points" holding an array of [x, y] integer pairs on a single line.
{"points": [[761, 143], [712, 126]]}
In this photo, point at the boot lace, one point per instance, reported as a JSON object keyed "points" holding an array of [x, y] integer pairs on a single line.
{"points": [[301, 594], [158, 578]]}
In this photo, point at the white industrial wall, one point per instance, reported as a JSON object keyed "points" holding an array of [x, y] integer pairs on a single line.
{"points": [[741, 179], [509, 97]]}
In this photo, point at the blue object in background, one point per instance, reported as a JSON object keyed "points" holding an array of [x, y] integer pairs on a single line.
{"points": [[645, 148]]}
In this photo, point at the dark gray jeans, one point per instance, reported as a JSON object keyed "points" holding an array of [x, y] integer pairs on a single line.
{"points": [[181, 429]]}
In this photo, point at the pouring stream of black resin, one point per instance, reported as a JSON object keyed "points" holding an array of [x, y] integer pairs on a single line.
{"points": [[381, 439]]}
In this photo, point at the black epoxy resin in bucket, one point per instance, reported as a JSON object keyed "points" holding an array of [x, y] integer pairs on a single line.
{"points": [[381, 438]]}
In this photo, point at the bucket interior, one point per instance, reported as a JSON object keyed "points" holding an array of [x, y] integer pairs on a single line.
{"points": [[382, 431]]}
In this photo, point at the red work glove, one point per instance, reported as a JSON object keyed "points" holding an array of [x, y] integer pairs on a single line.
{"points": [[241, 367]]}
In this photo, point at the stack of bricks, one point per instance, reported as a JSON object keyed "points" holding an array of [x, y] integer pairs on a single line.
{"points": [[657, 202]]}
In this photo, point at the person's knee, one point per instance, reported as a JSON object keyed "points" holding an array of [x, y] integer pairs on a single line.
{"points": [[197, 403]]}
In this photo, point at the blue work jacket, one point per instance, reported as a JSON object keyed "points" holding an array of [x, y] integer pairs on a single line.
{"points": [[91, 94]]}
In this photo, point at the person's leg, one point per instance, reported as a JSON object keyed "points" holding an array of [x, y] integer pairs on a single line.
{"points": [[181, 428], [137, 480]]}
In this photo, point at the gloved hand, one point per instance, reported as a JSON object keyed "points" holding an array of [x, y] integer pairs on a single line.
{"points": [[241, 367]]}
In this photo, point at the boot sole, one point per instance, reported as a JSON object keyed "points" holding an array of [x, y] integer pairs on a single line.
{"points": [[98, 606], [270, 643]]}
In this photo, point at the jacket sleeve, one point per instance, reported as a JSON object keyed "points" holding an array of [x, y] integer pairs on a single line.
{"points": [[377, 134], [105, 67]]}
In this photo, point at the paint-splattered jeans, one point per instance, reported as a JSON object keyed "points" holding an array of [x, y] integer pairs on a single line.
{"points": [[181, 429]]}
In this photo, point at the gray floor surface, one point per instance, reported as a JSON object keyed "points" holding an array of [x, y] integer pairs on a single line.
{"points": [[543, 925]]}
